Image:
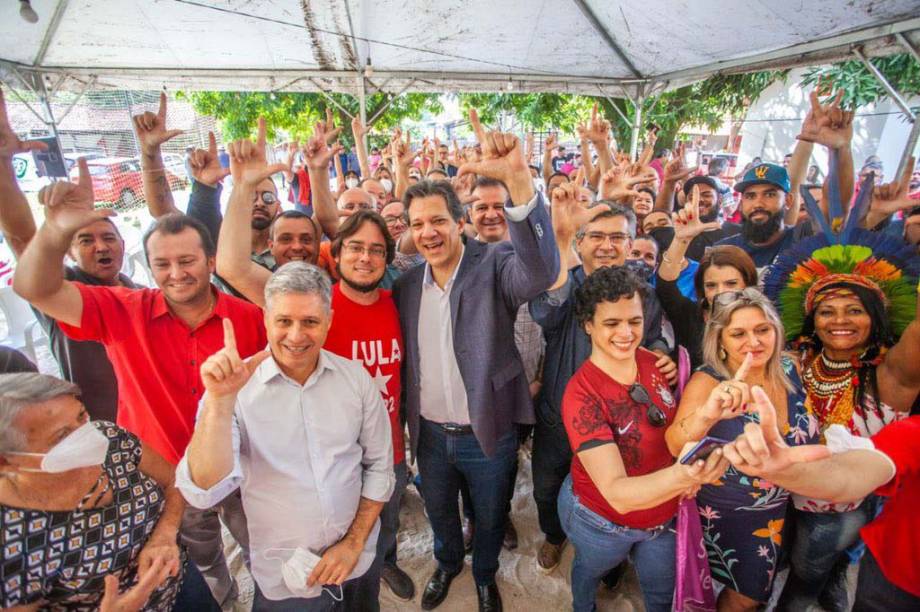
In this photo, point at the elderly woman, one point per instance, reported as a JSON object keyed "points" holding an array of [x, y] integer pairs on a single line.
{"points": [[722, 268], [742, 517], [623, 490], [81, 500], [851, 309]]}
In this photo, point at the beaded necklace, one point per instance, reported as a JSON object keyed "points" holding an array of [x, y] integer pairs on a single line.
{"points": [[831, 389]]}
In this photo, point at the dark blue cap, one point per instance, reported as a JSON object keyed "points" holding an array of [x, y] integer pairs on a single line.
{"points": [[760, 174]]}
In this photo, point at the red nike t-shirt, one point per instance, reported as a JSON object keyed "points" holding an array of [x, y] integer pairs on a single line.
{"points": [[894, 537], [598, 410], [371, 335]]}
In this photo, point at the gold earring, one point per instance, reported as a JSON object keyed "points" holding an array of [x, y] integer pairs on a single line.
{"points": [[722, 354]]}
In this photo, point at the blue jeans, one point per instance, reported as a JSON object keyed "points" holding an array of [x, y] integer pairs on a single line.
{"points": [[819, 543], [389, 518], [601, 545], [445, 461], [194, 593]]}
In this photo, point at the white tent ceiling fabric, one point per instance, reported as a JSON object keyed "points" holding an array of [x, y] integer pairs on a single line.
{"points": [[448, 45]]}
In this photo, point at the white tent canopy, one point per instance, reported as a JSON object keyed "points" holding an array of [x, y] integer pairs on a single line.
{"points": [[595, 47]]}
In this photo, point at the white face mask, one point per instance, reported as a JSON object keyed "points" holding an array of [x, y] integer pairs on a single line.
{"points": [[538, 185], [85, 446], [387, 185], [297, 568], [351, 183]]}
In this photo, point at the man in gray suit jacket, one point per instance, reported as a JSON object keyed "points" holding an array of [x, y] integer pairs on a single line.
{"points": [[465, 385]]}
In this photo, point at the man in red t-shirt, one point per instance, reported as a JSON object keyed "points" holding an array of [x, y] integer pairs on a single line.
{"points": [[888, 464], [365, 327], [156, 339]]}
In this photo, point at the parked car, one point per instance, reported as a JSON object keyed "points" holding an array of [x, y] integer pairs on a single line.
{"points": [[119, 181], [175, 163]]}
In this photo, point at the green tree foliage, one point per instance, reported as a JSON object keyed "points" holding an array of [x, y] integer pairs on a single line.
{"points": [[536, 111], [859, 86], [706, 103], [296, 113]]}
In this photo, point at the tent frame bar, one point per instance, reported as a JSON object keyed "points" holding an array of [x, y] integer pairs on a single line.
{"points": [[892, 92], [608, 38]]}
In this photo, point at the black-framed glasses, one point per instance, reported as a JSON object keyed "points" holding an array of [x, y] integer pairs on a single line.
{"points": [[655, 415]]}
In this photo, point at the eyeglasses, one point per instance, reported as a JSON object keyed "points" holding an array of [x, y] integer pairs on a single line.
{"points": [[354, 248], [656, 416], [601, 237], [357, 205], [394, 219], [268, 198], [726, 298]]}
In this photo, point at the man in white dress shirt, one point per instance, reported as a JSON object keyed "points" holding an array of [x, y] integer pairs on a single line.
{"points": [[304, 433]]}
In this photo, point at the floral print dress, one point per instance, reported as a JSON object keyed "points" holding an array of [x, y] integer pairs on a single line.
{"points": [[742, 516]]}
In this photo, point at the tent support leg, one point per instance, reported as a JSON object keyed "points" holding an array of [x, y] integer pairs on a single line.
{"points": [[362, 105], [636, 127], [909, 147]]}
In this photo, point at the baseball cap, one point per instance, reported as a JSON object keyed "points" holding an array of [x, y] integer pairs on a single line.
{"points": [[701, 180], [769, 174]]}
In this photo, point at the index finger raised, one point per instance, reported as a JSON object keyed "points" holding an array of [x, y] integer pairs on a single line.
{"points": [[84, 179], [767, 414], [477, 127], [229, 335], [212, 144], [260, 138], [745, 366], [161, 111]]}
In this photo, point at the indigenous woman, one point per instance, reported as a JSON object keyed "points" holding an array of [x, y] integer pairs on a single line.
{"points": [[851, 310], [742, 517], [623, 490]]}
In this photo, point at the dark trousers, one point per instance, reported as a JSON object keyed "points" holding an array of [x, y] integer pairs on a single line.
{"points": [[200, 533], [552, 459], [875, 593], [389, 518], [358, 595], [445, 462]]}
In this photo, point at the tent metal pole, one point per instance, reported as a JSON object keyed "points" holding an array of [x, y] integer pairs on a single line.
{"points": [[892, 92], [909, 147], [636, 126], [907, 45], [362, 106]]}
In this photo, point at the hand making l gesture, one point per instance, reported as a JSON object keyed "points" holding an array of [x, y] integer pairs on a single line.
{"points": [[502, 159], [151, 128], [248, 164]]}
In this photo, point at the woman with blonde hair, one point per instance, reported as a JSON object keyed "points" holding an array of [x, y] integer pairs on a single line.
{"points": [[742, 517]]}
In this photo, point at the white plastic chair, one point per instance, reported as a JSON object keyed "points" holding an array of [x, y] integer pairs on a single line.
{"points": [[21, 324]]}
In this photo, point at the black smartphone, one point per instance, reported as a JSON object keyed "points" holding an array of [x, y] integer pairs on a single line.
{"points": [[703, 449]]}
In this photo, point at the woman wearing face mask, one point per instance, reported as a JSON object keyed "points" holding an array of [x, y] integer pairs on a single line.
{"points": [[722, 268], [86, 499], [851, 310], [742, 518], [621, 495]]}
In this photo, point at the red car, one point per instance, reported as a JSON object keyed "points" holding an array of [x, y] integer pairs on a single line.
{"points": [[119, 180]]}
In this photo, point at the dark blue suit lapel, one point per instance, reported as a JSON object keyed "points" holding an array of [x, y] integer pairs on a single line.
{"points": [[471, 256]]}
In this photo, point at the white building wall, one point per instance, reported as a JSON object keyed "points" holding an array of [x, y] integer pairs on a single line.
{"points": [[773, 122]]}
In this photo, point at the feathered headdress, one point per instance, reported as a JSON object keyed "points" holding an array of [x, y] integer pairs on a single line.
{"points": [[844, 255]]}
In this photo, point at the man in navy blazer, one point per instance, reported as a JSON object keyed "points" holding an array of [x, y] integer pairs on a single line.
{"points": [[464, 383]]}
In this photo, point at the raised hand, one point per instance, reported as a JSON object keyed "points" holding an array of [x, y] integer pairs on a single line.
{"points": [[70, 206], [134, 598], [687, 223], [676, 170], [358, 129], [761, 449], [224, 373], [402, 149], [206, 168], [597, 130], [729, 398], [617, 186], [9, 142], [891, 197], [317, 153], [502, 159], [151, 128], [827, 124], [568, 214], [248, 164], [649, 151], [550, 142]]}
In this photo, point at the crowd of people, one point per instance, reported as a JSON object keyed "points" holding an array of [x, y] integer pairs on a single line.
{"points": [[662, 340]]}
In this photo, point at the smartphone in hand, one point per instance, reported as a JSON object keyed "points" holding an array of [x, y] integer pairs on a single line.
{"points": [[703, 449]]}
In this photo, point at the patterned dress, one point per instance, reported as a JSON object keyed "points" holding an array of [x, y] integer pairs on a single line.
{"points": [[62, 557], [743, 516]]}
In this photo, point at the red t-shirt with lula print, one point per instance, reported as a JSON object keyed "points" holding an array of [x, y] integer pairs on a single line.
{"points": [[371, 335], [597, 410]]}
